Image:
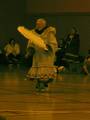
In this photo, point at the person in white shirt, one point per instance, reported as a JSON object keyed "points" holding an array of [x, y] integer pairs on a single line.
{"points": [[12, 51]]}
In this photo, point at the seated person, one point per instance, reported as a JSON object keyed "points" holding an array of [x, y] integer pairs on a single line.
{"points": [[86, 66], [73, 42], [12, 51], [71, 48]]}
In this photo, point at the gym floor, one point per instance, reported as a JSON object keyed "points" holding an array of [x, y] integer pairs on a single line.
{"points": [[68, 98]]}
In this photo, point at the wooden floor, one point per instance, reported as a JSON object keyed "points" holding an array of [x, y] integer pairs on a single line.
{"points": [[68, 98]]}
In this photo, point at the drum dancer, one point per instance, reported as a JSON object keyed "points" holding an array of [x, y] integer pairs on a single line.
{"points": [[44, 42]]}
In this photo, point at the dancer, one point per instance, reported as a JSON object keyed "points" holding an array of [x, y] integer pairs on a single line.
{"points": [[44, 42]]}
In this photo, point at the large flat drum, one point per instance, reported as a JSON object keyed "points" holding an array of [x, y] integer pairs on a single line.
{"points": [[35, 39]]}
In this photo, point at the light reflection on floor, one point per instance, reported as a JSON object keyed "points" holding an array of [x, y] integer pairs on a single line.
{"points": [[68, 98]]}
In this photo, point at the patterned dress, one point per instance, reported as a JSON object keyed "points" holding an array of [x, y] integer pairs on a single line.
{"points": [[43, 61]]}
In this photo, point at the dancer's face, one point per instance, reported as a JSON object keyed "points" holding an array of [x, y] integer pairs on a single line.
{"points": [[40, 24]]}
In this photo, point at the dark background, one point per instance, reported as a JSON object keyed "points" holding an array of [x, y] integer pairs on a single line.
{"points": [[63, 14]]}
